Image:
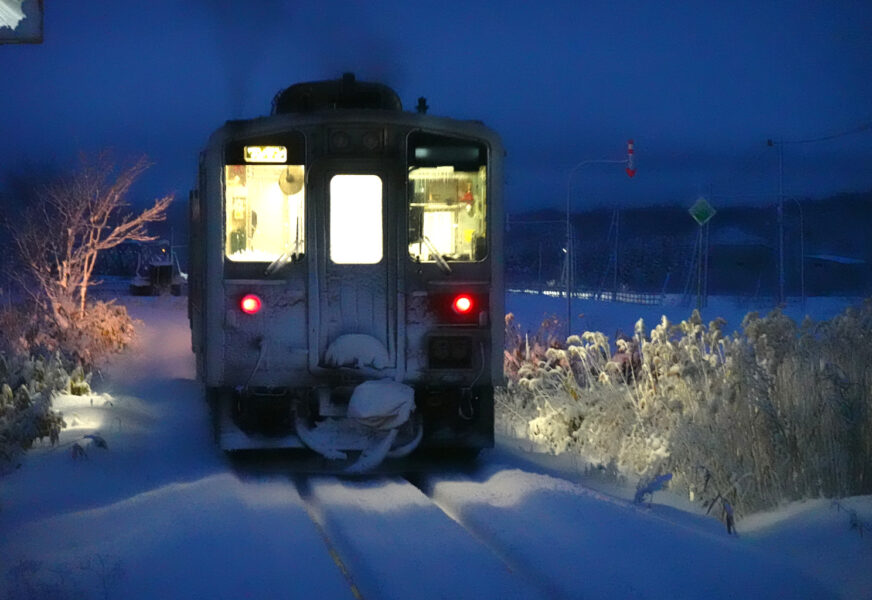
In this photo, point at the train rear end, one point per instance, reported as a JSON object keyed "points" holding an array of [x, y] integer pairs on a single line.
{"points": [[345, 287]]}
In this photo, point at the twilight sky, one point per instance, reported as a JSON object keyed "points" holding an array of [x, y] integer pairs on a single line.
{"points": [[699, 85]]}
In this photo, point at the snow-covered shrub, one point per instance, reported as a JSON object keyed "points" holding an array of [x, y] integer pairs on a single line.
{"points": [[26, 388], [777, 412], [797, 422], [524, 349], [105, 328]]}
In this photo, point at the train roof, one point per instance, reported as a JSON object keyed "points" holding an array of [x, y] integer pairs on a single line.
{"points": [[335, 94]]}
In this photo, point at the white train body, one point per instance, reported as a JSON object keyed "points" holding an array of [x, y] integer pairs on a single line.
{"points": [[342, 241]]}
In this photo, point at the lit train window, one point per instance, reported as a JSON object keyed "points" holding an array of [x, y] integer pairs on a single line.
{"points": [[265, 209], [356, 219], [447, 199]]}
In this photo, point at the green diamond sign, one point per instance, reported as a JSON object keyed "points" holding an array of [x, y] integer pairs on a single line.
{"points": [[702, 211]]}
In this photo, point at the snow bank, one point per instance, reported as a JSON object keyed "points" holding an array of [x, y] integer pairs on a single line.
{"points": [[214, 537], [818, 536], [595, 546], [156, 514]]}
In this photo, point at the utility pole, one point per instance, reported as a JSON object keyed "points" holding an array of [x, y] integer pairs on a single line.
{"points": [[570, 258], [780, 221], [801, 253], [858, 129], [780, 218]]}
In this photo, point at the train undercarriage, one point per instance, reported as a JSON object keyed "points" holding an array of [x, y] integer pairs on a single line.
{"points": [[340, 430]]}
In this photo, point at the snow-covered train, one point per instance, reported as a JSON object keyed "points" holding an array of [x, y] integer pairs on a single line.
{"points": [[345, 286]]}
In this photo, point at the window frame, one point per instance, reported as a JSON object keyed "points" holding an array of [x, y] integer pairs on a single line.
{"points": [[444, 144], [233, 154]]}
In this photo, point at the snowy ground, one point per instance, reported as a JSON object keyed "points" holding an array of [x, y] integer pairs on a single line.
{"points": [[161, 513]]}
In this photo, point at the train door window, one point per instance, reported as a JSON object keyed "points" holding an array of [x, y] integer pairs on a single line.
{"points": [[356, 219], [447, 198], [265, 211]]}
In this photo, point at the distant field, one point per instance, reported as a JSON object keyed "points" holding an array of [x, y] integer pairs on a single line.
{"points": [[609, 317]]}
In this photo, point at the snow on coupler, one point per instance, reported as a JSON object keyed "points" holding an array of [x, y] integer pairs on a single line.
{"points": [[377, 414]]}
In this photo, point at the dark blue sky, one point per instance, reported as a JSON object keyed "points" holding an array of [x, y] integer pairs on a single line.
{"points": [[700, 86]]}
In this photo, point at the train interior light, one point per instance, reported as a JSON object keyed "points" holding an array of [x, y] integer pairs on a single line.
{"points": [[265, 211], [356, 219]]}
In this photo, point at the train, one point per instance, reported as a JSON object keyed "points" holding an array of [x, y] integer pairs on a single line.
{"points": [[345, 286]]}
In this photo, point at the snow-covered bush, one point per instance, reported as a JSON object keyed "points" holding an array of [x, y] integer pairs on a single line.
{"points": [[38, 358], [106, 328], [521, 349], [26, 389], [776, 412]]}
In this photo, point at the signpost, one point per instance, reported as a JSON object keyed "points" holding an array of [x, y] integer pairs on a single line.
{"points": [[702, 212]]}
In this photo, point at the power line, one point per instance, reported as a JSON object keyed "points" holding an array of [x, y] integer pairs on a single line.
{"points": [[853, 130]]}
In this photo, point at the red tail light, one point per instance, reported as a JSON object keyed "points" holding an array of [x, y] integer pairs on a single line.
{"points": [[463, 304], [250, 304]]}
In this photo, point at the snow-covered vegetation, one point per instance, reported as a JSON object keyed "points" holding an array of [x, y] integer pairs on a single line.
{"points": [[27, 386], [64, 227], [104, 329], [776, 412], [52, 335], [161, 499]]}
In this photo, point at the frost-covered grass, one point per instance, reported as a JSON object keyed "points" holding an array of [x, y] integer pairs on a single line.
{"points": [[776, 412]]}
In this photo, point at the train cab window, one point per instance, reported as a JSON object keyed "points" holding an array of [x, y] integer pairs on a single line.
{"points": [[265, 209], [356, 219], [447, 199]]}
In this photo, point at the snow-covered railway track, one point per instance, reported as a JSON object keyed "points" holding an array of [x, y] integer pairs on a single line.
{"points": [[493, 543], [305, 492], [504, 531], [390, 540]]}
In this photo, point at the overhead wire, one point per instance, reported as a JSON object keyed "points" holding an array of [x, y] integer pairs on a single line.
{"points": [[853, 130]]}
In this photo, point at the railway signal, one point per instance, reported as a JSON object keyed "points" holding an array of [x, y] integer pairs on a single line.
{"points": [[631, 161]]}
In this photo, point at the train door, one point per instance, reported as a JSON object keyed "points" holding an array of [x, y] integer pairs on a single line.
{"points": [[353, 286]]}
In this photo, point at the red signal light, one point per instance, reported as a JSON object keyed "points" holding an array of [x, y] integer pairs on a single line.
{"points": [[250, 304], [462, 304]]}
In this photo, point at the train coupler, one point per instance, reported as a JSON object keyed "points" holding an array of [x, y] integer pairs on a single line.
{"points": [[380, 422]]}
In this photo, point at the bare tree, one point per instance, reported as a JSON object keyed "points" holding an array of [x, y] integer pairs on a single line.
{"points": [[73, 219]]}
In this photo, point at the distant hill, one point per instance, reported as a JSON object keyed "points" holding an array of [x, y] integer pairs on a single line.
{"points": [[656, 248]]}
